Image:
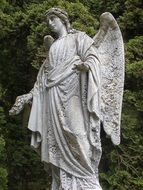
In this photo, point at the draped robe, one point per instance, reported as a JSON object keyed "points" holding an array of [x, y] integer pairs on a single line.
{"points": [[65, 114]]}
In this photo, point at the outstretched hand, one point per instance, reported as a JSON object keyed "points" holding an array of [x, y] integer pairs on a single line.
{"points": [[81, 67], [19, 103]]}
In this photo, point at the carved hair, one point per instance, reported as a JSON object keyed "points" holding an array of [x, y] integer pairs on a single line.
{"points": [[63, 15]]}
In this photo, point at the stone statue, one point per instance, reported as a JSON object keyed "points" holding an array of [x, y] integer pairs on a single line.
{"points": [[78, 87]]}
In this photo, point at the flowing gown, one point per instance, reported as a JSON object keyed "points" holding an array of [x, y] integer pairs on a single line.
{"points": [[65, 114]]}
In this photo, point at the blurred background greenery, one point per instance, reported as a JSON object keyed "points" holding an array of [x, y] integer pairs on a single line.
{"points": [[22, 29]]}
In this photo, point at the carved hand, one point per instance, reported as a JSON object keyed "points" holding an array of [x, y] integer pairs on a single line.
{"points": [[81, 67], [19, 103]]}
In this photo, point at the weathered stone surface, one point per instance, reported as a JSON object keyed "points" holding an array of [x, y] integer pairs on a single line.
{"points": [[79, 85]]}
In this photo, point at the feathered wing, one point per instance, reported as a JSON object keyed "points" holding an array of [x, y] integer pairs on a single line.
{"points": [[48, 40], [109, 44]]}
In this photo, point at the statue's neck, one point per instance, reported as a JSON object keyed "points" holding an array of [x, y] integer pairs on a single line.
{"points": [[63, 32]]}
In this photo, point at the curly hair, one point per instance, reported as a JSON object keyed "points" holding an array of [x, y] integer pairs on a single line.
{"points": [[63, 15]]}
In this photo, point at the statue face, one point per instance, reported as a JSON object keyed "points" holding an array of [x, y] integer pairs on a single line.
{"points": [[55, 23]]}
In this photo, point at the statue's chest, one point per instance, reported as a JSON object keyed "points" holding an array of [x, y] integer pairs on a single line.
{"points": [[61, 50]]}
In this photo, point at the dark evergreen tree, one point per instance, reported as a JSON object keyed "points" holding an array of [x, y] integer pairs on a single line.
{"points": [[22, 52]]}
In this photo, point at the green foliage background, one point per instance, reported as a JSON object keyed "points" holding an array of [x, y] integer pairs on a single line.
{"points": [[22, 29]]}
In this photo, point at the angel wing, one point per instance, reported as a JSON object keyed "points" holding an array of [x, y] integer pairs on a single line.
{"points": [[109, 44], [48, 40]]}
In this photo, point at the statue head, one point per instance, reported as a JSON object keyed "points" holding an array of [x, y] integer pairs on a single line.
{"points": [[57, 17]]}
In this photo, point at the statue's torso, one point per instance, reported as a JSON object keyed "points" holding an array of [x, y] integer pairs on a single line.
{"points": [[62, 49]]}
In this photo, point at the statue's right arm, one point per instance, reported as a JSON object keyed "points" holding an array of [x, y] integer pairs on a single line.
{"points": [[27, 98], [20, 102]]}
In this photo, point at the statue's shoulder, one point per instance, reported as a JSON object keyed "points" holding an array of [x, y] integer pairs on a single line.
{"points": [[83, 39], [80, 36]]}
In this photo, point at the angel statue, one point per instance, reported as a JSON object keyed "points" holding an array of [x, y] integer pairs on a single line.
{"points": [[78, 88]]}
